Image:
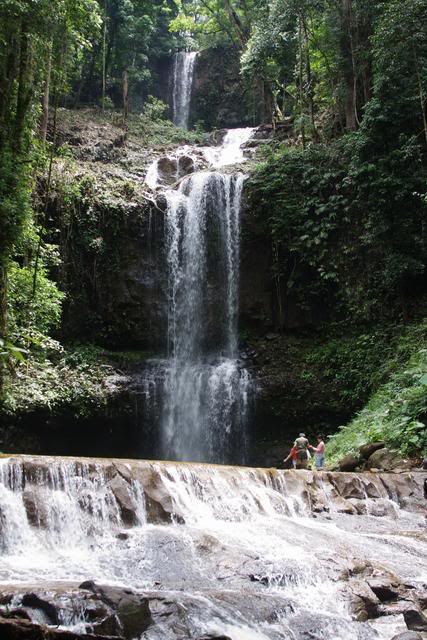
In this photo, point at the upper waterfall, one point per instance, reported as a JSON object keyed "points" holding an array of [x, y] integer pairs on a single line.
{"points": [[183, 70]]}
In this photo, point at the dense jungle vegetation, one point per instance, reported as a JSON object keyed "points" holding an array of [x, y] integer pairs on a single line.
{"points": [[340, 191]]}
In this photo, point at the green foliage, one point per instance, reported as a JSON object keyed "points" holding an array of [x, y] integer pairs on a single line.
{"points": [[15, 203], [37, 40], [9, 352], [397, 412], [345, 226], [133, 36], [70, 381], [318, 379], [154, 109], [28, 311], [353, 363], [213, 23], [151, 127]]}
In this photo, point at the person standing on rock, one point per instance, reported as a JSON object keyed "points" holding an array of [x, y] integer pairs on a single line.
{"points": [[301, 445], [319, 453]]}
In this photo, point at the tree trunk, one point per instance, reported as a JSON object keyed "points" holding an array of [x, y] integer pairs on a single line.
{"points": [[3, 299], [104, 40], [301, 84], [309, 78], [46, 92], [25, 88], [235, 20], [8, 75], [348, 65], [125, 96], [421, 94]]}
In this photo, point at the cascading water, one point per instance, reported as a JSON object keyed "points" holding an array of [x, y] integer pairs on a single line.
{"points": [[183, 70], [205, 396], [204, 392], [218, 551]]}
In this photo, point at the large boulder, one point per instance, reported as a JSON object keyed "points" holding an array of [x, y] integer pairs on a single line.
{"points": [[386, 460], [123, 494], [373, 486], [35, 506], [384, 588], [415, 619], [34, 601], [369, 448], [349, 463], [408, 635], [186, 166], [160, 507], [172, 169], [124, 470], [363, 603], [167, 169], [341, 505], [403, 489], [348, 485], [131, 608]]}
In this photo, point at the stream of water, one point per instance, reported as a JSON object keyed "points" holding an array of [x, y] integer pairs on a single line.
{"points": [[243, 556], [183, 71]]}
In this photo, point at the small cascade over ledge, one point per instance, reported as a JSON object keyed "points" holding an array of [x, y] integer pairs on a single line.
{"points": [[209, 549]]}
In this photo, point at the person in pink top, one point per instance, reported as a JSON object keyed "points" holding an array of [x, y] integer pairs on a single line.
{"points": [[319, 453]]}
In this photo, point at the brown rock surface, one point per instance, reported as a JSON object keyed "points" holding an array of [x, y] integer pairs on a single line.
{"points": [[35, 506], [349, 462], [385, 460], [122, 493], [368, 449]]}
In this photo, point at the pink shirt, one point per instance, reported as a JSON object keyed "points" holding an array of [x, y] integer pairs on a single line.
{"points": [[320, 447]]}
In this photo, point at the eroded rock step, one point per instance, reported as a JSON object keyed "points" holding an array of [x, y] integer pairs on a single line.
{"points": [[154, 491], [208, 551]]}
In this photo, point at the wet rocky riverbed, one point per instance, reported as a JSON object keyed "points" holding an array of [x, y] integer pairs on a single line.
{"points": [[136, 549]]}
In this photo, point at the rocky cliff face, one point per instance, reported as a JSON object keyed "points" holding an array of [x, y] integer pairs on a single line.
{"points": [[220, 96], [115, 275], [117, 291]]}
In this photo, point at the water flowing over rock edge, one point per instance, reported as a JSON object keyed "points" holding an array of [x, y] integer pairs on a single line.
{"points": [[210, 541]]}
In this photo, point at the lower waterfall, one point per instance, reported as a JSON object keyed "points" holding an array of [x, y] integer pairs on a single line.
{"points": [[201, 391], [213, 551], [205, 393]]}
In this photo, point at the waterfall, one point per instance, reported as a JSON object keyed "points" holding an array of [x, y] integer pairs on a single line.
{"points": [[204, 200], [205, 392], [218, 551], [183, 70], [200, 395]]}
